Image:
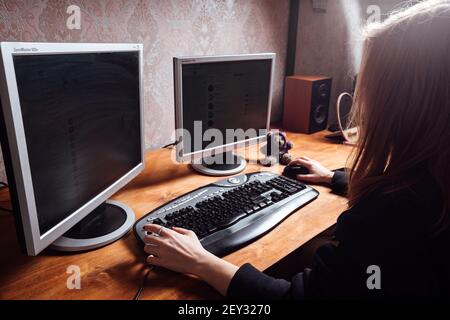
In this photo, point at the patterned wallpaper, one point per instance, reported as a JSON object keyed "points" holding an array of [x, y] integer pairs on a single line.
{"points": [[167, 28]]}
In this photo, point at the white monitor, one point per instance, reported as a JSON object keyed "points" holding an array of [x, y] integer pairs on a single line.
{"points": [[222, 94], [72, 136]]}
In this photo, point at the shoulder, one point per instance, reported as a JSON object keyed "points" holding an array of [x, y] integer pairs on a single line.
{"points": [[404, 212]]}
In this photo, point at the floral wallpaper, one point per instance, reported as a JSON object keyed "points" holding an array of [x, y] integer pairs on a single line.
{"points": [[167, 28]]}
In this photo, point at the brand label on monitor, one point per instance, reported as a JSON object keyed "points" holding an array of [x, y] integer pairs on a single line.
{"points": [[25, 49]]}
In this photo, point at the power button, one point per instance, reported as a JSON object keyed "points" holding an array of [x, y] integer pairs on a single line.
{"points": [[234, 180]]}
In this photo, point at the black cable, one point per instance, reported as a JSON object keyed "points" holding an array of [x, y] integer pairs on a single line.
{"points": [[168, 145], [144, 283], [5, 185]]}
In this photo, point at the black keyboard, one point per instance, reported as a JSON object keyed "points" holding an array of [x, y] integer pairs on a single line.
{"points": [[232, 212]]}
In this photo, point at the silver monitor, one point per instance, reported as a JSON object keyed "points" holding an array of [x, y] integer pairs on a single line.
{"points": [[72, 136], [221, 102]]}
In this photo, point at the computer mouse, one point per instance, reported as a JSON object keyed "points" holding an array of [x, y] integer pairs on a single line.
{"points": [[294, 170]]}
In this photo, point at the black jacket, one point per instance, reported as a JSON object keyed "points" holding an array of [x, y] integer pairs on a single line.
{"points": [[391, 233]]}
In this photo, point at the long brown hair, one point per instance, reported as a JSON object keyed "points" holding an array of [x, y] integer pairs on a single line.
{"points": [[402, 104]]}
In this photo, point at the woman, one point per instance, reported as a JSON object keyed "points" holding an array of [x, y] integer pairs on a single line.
{"points": [[398, 218]]}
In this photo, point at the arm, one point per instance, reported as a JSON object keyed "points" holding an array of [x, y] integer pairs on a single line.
{"points": [[250, 283], [217, 273], [180, 250], [378, 232], [337, 179], [339, 182]]}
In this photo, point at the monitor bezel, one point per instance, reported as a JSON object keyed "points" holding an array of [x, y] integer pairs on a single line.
{"points": [[178, 63], [35, 242]]}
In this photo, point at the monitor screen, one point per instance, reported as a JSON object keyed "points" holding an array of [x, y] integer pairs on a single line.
{"points": [[81, 116], [224, 95]]}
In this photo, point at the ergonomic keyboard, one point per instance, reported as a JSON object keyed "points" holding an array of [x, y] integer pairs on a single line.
{"points": [[232, 212]]}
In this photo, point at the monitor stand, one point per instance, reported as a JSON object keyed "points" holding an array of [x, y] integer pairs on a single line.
{"points": [[107, 223], [225, 168]]}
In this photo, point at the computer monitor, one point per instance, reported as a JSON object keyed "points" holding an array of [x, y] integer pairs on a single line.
{"points": [[72, 136], [221, 102]]}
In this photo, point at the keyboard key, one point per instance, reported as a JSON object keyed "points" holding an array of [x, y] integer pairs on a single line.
{"points": [[158, 221], [249, 210]]}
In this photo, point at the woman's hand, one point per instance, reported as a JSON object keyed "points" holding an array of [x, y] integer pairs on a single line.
{"points": [[317, 172], [176, 249], [180, 250]]}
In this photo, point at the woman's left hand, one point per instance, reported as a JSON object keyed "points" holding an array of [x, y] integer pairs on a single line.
{"points": [[180, 250], [176, 249]]}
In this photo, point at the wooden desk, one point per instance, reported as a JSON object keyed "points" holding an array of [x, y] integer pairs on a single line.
{"points": [[116, 271]]}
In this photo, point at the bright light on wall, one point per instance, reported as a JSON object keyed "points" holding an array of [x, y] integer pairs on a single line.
{"points": [[353, 17]]}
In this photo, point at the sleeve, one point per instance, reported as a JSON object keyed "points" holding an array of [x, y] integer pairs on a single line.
{"points": [[367, 237], [339, 182], [322, 281], [332, 275], [250, 283]]}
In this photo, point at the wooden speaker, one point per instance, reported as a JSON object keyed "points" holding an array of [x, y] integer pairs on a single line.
{"points": [[306, 103]]}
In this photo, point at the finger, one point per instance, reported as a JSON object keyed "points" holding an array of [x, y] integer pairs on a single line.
{"points": [[185, 232], [182, 230], [159, 230], [152, 227], [307, 177], [294, 162], [301, 162], [154, 261]]}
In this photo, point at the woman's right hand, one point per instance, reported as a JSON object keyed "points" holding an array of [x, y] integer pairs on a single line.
{"points": [[317, 172]]}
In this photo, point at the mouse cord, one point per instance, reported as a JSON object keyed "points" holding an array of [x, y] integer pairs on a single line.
{"points": [[346, 132], [169, 146], [4, 185], [144, 283]]}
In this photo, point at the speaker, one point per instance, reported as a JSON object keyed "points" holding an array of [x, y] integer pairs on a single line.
{"points": [[306, 103]]}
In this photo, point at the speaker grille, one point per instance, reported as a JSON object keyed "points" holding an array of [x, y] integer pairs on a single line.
{"points": [[320, 102], [320, 113]]}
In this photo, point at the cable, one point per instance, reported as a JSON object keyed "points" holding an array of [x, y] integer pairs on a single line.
{"points": [[5, 185], [168, 145], [346, 132], [144, 283]]}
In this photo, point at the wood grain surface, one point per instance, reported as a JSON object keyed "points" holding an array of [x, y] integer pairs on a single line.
{"points": [[116, 271]]}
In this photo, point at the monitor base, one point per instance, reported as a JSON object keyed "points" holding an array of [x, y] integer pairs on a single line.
{"points": [[237, 165], [106, 224]]}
